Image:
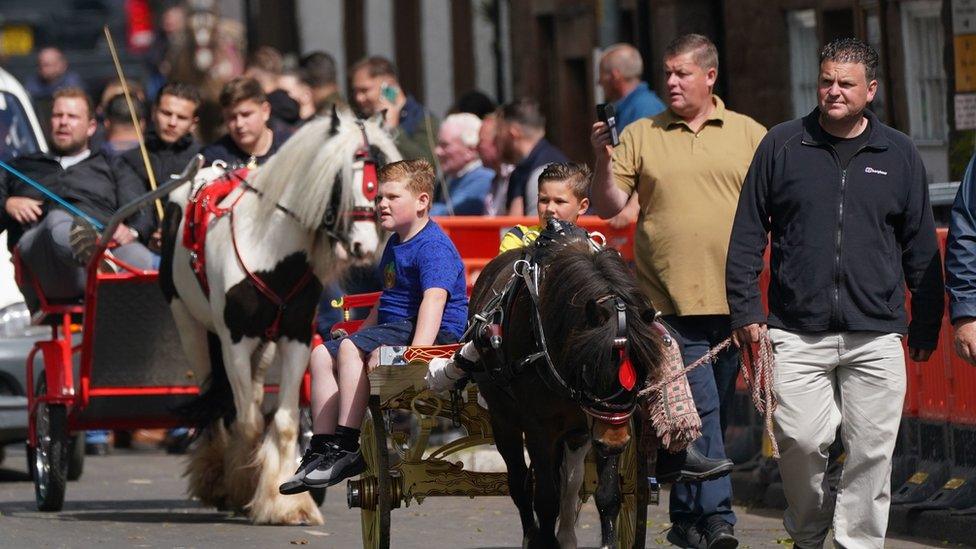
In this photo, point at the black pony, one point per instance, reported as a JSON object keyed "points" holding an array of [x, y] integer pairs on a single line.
{"points": [[564, 374]]}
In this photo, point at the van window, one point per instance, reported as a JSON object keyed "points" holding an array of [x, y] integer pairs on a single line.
{"points": [[16, 135]]}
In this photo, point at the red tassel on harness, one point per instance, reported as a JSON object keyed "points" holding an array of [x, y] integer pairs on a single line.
{"points": [[626, 374]]}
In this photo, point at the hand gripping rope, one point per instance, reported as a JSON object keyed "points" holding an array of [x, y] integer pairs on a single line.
{"points": [[759, 379]]}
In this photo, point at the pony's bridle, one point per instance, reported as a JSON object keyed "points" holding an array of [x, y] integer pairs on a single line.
{"points": [[332, 221], [601, 408], [626, 375]]}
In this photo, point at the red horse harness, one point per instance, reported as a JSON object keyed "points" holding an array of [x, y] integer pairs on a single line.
{"points": [[204, 207]]}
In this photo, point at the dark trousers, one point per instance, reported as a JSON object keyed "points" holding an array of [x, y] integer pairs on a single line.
{"points": [[691, 501]]}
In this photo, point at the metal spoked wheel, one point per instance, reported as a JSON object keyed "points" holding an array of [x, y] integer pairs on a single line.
{"points": [[304, 440], [632, 518], [50, 463], [373, 491]]}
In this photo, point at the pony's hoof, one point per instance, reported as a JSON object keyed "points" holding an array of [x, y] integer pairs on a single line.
{"points": [[302, 517]]}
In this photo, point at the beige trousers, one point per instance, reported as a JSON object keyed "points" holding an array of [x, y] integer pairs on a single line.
{"points": [[854, 380]]}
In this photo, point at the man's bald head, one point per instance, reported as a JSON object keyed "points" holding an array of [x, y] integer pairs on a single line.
{"points": [[624, 58], [621, 68]]}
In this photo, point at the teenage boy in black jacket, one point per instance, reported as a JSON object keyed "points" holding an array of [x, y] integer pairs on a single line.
{"points": [[845, 201]]}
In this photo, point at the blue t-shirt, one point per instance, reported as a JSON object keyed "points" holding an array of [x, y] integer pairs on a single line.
{"points": [[408, 269]]}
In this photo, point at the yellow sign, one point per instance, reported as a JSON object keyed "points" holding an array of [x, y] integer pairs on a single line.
{"points": [[965, 53], [16, 40]]}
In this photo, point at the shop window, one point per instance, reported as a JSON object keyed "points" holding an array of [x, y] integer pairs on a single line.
{"points": [[872, 31], [804, 60], [925, 78]]}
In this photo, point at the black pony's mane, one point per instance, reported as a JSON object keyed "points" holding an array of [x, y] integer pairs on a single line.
{"points": [[575, 275]]}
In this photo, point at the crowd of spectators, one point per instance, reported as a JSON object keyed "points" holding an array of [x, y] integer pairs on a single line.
{"points": [[485, 154]]}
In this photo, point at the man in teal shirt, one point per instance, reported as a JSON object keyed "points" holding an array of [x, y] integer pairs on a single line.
{"points": [[620, 77], [621, 68]]}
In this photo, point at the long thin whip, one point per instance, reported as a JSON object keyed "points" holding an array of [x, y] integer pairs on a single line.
{"points": [[135, 119]]}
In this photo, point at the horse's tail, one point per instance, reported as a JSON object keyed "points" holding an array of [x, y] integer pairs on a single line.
{"points": [[216, 399], [170, 236]]}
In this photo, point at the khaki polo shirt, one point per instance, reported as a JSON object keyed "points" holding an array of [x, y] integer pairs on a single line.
{"points": [[688, 187]]}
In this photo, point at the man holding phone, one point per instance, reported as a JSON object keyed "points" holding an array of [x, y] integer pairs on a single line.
{"points": [[686, 165], [375, 89]]}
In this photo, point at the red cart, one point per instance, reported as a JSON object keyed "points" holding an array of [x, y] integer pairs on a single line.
{"points": [[132, 371]]}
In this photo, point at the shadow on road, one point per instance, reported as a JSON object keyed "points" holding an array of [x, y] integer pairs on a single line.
{"points": [[156, 517], [10, 475], [133, 511]]}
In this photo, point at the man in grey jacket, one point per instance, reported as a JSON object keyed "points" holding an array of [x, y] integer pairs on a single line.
{"points": [[845, 202]]}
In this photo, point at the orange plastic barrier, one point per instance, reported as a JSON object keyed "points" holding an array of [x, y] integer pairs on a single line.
{"points": [[477, 238]]}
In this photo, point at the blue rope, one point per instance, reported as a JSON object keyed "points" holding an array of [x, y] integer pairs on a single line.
{"points": [[62, 202]]}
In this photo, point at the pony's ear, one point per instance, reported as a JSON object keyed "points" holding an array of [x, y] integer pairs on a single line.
{"points": [[595, 314], [334, 129], [379, 118], [648, 314]]}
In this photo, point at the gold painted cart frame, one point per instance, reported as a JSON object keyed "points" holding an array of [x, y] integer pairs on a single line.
{"points": [[403, 467]]}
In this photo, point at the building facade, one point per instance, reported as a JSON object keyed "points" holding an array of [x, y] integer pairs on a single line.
{"points": [[768, 54]]}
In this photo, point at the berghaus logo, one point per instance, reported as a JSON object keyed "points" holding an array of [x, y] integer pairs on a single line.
{"points": [[869, 169]]}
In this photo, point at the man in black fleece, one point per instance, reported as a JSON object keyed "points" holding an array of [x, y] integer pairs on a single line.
{"points": [[845, 201], [84, 178]]}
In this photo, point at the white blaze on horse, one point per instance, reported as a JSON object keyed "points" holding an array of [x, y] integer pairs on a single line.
{"points": [[249, 270]]}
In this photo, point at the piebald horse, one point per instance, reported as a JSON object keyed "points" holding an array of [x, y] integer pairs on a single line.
{"points": [[288, 229]]}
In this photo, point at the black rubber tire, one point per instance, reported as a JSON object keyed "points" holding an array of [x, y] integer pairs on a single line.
{"points": [[76, 456], [51, 457], [642, 491], [30, 460]]}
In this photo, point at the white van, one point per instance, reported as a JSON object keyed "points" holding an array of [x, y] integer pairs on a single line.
{"points": [[20, 134]]}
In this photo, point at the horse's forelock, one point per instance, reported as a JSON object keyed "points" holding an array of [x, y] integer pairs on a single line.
{"points": [[580, 276]]}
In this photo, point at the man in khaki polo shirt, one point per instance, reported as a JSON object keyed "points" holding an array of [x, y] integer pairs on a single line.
{"points": [[687, 166]]}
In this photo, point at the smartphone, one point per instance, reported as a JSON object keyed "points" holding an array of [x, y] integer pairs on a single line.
{"points": [[608, 115], [389, 92]]}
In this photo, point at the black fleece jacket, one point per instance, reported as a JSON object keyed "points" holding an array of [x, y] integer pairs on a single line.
{"points": [[166, 159], [844, 241], [92, 185]]}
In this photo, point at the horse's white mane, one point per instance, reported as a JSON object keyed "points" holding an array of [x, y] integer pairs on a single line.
{"points": [[301, 175]]}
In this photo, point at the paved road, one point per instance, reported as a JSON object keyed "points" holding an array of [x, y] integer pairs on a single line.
{"points": [[135, 499]]}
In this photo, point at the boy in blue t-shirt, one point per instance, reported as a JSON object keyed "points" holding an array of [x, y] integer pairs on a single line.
{"points": [[424, 302]]}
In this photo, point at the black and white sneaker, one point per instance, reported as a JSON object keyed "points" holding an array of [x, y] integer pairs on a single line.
{"points": [[336, 466], [295, 484]]}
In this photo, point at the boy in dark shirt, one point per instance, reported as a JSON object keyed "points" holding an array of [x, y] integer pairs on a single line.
{"points": [[424, 302]]}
